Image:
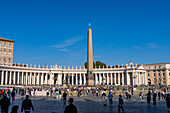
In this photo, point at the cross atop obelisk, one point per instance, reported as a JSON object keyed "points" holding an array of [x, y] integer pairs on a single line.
{"points": [[90, 77]]}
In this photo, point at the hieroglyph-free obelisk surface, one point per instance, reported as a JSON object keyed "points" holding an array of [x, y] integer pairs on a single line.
{"points": [[90, 77]]}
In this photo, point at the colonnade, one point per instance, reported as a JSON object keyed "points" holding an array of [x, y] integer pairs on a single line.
{"points": [[72, 78]]}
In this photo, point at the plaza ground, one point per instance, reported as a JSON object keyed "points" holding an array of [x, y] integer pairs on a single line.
{"points": [[93, 105]]}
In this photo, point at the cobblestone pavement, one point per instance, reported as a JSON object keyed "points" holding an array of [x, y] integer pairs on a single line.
{"points": [[93, 105]]}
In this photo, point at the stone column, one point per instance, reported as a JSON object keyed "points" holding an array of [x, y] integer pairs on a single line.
{"points": [[111, 75], [34, 78], [46, 78], [107, 78], [72, 78], [96, 78], [128, 78], [104, 77], [100, 79], [10, 77], [65, 76], [161, 77], [118, 78], [18, 77], [6, 77], [42, 78], [166, 77], [115, 78], [157, 79], [76, 79], [22, 79], [84, 79], [30, 78], [123, 78], [26, 79], [2, 78], [14, 81], [38, 79], [80, 79]]}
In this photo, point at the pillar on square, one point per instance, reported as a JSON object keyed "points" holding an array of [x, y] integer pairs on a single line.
{"points": [[18, 77], [22, 79], [2, 78], [6, 77], [46, 78], [10, 77], [76, 79], [96, 79], [127, 78], [123, 78], [80, 79], [107, 78], [84, 79], [115, 78], [26, 79], [65, 76], [34, 79], [100, 79], [118, 78], [38, 79], [14, 81], [30, 81], [72, 79], [111, 75], [42, 78]]}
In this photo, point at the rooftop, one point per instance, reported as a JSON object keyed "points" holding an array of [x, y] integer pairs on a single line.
{"points": [[4, 39], [156, 64]]}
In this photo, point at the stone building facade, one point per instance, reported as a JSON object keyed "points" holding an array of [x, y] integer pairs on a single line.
{"points": [[6, 51]]}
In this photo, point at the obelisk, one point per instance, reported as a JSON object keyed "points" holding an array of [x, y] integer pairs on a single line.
{"points": [[90, 78]]}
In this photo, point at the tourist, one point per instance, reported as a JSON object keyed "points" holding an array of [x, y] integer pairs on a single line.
{"points": [[168, 101], [148, 97], [71, 108], [110, 98], [5, 103], [27, 105], [47, 93], [154, 98], [64, 97], [141, 96], [120, 104], [159, 95], [14, 109], [13, 95]]}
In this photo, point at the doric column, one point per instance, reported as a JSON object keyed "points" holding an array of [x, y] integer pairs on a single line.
{"points": [[22, 82], [64, 76], [42, 78], [38, 79], [6, 77], [30, 82], [10, 77], [18, 78], [96, 78], [115, 78], [100, 79], [84, 79], [76, 79], [26, 79], [14, 81], [111, 75], [80, 79], [46, 78], [34, 78], [127, 78], [118, 78], [107, 78], [123, 78], [72, 78], [104, 79], [2, 78]]}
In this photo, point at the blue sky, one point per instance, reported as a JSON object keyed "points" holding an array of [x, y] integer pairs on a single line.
{"points": [[55, 31]]}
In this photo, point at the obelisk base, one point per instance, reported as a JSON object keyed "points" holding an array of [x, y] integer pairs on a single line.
{"points": [[90, 82]]}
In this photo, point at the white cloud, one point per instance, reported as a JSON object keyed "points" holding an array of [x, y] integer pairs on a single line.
{"points": [[69, 42], [152, 45], [137, 47]]}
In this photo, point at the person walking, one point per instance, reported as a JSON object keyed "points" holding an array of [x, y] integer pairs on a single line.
{"points": [[13, 95], [27, 105], [154, 98], [148, 97], [120, 104], [5, 103], [64, 97], [168, 101], [110, 98], [159, 95], [71, 108]]}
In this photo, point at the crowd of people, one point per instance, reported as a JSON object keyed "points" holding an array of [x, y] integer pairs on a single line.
{"points": [[8, 97]]}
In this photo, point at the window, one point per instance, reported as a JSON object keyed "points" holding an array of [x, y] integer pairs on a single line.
{"points": [[154, 74], [4, 51], [148, 74], [9, 60], [159, 74], [10, 45], [169, 74], [163, 74], [4, 60], [5, 45]]}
